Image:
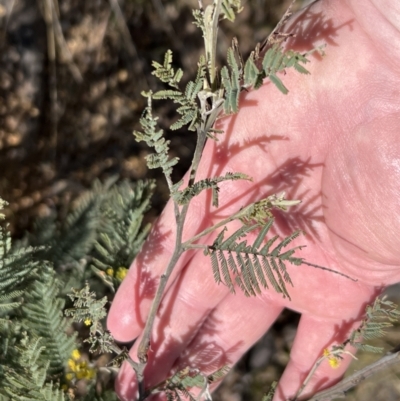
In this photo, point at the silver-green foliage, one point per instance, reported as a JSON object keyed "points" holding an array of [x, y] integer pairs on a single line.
{"points": [[64, 244], [87, 308], [184, 197], [231, 84], [153, 136], [230, 8], [103, 228], [17, 269], [34, 344], [378, 318], [255, 71], [33, 340], [187, 99], [42, 314], [121, 232], [27, 380], [252, 266]]}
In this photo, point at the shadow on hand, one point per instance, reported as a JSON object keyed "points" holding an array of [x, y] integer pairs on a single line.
{"points": [[147, 282], [287, 177], [173, 348], [310, 28]]}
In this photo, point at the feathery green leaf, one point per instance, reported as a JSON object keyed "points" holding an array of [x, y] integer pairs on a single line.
{"points": [[252, 266]]}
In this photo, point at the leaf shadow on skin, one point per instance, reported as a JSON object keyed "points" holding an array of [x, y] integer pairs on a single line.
{"points": [[262, 142], [170, 352], [304, 216], [311, 28], [174, 352], [146, 284], [208, 355], [287, 177], [339, 335]]}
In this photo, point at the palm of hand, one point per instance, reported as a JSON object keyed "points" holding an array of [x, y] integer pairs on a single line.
{"points": [[332, 143]]}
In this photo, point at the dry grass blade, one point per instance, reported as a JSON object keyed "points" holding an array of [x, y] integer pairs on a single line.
{"points": [[63, 47], [47, 10], [127, 38]]}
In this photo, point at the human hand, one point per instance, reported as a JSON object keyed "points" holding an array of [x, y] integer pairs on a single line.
{"points": [[331, 142]]}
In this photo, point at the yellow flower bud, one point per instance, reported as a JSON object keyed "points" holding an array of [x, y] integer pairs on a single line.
{"points": [[80, 375], [71, 365], [334, 362], [69, 376], [121, 273], [75, 355]]}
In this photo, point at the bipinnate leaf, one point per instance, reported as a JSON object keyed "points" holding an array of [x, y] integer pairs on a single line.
{"points": [[276, 60], [154, 138], [165, 71], [184, 197], [252, 267], [189, 107], [231, 84], [253, 77], [238, 77], [28, 379], [378, 318]]}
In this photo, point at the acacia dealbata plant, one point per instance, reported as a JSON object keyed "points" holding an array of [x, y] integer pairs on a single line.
{"points": [[41, 319], [40, 348]]}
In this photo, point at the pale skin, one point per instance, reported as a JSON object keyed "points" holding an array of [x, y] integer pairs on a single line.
{"points": [[332, 142]]}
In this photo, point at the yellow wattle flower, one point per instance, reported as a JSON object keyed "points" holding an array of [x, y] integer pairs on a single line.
{"points": [[69, 376], [71, 364], [76, 355], [333, 360], [121, 273]]}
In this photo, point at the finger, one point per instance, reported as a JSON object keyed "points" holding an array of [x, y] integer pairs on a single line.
{"points": [[134, 297], [312, 338], [229, 331], [195, 328], [184, 310]]}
